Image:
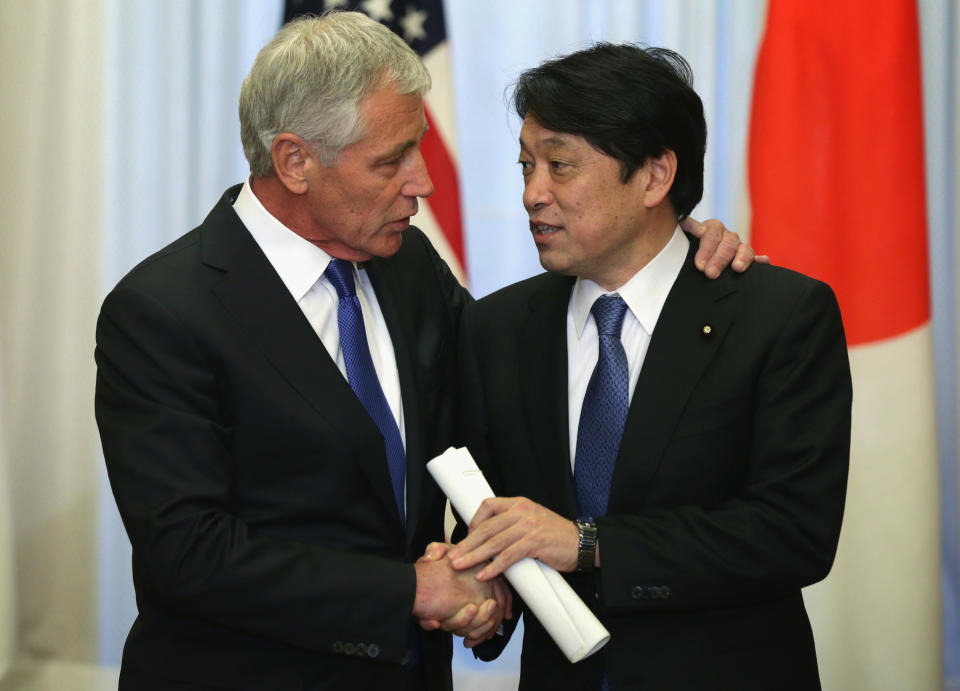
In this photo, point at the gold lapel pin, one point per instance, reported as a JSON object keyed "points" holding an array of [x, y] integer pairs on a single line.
{"points": [[706, 331]]}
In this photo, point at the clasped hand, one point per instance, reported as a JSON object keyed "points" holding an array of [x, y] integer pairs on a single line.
{"points": [[455, 601], [508, 529]]}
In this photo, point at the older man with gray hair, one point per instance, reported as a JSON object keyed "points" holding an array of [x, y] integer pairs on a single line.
{"points": [[271, 384]]}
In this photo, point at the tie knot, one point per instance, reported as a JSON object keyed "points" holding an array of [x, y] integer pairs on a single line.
{"points": [[340, 274], [608, 311]]}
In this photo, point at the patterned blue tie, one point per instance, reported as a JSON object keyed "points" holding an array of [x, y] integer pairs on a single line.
{"points": [[604, 410], [361, 373]]}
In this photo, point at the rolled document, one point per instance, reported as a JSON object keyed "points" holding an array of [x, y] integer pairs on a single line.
{"points": [[563, 614]]}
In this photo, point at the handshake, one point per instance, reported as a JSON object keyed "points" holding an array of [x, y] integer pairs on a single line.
{"points": [[461, 588], [456, 601]]}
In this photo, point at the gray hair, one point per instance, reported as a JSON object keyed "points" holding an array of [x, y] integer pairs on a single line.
{"points": [[310, 78]]}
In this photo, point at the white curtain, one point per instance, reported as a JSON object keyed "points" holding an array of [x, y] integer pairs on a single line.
{"points": [[50, 218], [120, 132], [8, 601]]}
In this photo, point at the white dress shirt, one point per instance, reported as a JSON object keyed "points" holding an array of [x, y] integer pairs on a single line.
{"points": [[300, 265], [644, 294]]}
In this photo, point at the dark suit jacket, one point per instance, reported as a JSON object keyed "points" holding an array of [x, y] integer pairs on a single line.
{"points": [[268, 551], [728, 489]]}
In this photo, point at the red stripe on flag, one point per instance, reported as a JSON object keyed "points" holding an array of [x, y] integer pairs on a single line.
{"points": [[836, 157], [445, 201]]}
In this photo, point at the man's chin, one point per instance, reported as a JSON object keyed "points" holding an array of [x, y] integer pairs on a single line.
{"points": [[387, 245], [553, 264]]}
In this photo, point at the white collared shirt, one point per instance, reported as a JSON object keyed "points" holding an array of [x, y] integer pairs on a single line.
{"points": [[644, 294], [300, 265]]}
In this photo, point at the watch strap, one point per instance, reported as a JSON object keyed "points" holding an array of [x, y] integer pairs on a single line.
{"points": [[587, 548]]}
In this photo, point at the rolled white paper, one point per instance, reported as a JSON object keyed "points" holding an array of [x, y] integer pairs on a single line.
{"points": [[562, 613]]}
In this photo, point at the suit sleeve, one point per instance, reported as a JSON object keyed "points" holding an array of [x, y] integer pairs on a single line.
{"points": [[778, 532], [166, 435]]}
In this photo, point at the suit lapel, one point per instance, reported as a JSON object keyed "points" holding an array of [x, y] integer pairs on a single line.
{"points": [[416, 489], [252, 292], [676, 359], [542, 346]]}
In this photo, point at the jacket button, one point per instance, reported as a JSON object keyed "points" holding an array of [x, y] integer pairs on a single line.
{"points": [[639, 592], [373, 650], [361, 649], [666, 591], [338, 646]]}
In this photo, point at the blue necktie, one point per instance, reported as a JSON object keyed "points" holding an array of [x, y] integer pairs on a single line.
{"points": [[362, 375], [604, 410]]}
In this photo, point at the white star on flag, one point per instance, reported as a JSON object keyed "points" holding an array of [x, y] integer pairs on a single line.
{"points": [[378, 10], [412, 24]]}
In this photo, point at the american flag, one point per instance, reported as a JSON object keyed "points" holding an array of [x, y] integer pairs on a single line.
{"points": [[421, 24]]}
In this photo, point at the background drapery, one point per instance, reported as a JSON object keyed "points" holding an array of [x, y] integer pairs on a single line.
{"points": [[120, 132]]}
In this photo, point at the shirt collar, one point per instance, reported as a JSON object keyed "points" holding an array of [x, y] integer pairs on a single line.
{"points": [[645, 293], [297, 261]]}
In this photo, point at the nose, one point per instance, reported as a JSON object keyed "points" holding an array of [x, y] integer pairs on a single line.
{"points": [[418, 183], [536, 191]]}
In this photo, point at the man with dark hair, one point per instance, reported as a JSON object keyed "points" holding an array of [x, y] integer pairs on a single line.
{"points": [[270, 385], [677, 446]]}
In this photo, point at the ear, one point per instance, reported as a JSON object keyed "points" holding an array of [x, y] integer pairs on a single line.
{"points": [[292, 159], [660, 174]]}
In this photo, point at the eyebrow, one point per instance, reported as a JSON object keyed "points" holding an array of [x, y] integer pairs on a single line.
{"points": [[402, 147], [552, 140]]}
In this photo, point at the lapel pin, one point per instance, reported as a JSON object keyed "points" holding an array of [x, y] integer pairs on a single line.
{"points": [[706, 331]]}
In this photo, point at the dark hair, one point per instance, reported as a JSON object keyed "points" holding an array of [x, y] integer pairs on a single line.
{"points": [[628, 101]]}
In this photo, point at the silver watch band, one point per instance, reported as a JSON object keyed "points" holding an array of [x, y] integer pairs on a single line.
{"points": [[587, 549]]}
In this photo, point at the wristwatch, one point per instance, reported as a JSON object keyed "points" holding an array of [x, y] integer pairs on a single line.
{"points": [[587, 549]]}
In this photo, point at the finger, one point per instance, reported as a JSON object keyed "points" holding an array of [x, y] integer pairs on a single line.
{"points": [[744, 258], [479, 535], [485, 623], [494, 547], [484, 512], [504, 602], [429, 624], [480, 529], [710, 240], [469, 552], [460, 620], [506, 558], [469, 642], [693, 226], [724, 254], [496, 567], [435, 551], [762, 259], [484, 626], [491, 506]]}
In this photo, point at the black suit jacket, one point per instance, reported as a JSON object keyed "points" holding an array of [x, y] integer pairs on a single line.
{"points": [[268, 551], [728, 489]]}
